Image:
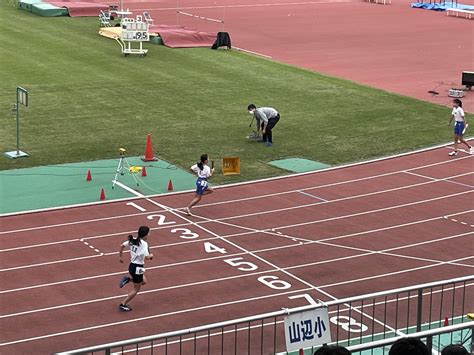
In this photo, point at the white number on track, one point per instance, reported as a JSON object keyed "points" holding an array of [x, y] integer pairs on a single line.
{"points": [[306, 296], [161, 219], [140, 208], [248, 265], [211, 248], [274, 282], [349, 324], [186, 233]]}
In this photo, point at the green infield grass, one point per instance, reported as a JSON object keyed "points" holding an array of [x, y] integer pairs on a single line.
{"points": [[87, 100]]}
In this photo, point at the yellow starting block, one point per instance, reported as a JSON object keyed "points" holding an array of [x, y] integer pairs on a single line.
{"points": [[231, 165], [135, 169], [470, 316]]}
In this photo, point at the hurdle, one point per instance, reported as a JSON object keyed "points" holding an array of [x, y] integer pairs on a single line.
{"points": [[456, 12]]}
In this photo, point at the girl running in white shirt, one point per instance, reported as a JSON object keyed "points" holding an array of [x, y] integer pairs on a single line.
{"points": [[204, 172], [459, 124], [138, 253]]}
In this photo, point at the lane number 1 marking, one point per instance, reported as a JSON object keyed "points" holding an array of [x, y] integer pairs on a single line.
{"points": [[141, 209]]}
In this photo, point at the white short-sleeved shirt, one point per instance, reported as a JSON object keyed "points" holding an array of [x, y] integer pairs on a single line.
{"points": [[458, 114], [204, 173], [137, 252]]}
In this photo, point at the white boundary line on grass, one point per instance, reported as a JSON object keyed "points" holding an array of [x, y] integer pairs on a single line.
{"points": [[443, 145], [254, 53]]}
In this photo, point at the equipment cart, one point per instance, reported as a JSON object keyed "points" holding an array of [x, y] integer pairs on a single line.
{"points": [[133, 31]]}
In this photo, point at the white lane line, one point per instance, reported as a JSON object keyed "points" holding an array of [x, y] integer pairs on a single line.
{"points": [[310, 300], [234, 254], [447, 179], [140, 208], [65, 224], [258, 257], [254, 197], [277, 268], [358, 213], [386, 251], [345, 199], [455, 220], [312, 196], [229, 6], [367, 253], [126, 188], [252, 230], [351, 181], [419, 175], [211, 306], [108, 298], [269, 211], [208, 306], [393, 273], [39, 245], [426, 150], [252, 52], [90, 246], [49, 263]]}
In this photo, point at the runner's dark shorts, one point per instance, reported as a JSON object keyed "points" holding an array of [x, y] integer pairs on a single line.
{"points": [[132, 269]]}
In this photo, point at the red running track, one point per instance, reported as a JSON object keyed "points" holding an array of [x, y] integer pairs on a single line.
{"points": [[394, 48], [331, 234]]}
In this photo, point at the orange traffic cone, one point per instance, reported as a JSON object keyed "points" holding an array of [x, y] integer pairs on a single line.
{"points": [[170, 185], [89, 176], [143, 171], [102, 194], [446, 321], [149, 150]]}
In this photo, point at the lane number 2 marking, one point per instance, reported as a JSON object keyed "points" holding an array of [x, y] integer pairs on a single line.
{"points": [[161, 219]]}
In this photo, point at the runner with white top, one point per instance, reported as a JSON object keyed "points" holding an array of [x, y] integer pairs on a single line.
{"points": [[139, 252], [204, 172], [460, 125]]}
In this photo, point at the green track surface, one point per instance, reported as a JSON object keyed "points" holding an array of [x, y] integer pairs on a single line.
{"points": [[65, 184], [298, 165]]}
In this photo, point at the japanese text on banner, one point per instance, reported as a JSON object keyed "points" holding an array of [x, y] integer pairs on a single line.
{"points": [[306, 329]]}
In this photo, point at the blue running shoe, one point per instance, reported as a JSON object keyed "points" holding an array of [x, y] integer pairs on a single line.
{"points": [[125, 280]]}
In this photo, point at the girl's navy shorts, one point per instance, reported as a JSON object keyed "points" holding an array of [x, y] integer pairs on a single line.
{"points": [[458, 128]]}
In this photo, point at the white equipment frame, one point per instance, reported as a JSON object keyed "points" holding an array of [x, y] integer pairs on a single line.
{"points": [[133, 31]]}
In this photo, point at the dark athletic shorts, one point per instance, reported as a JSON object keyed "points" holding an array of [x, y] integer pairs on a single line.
{"points": [[136, 272]]}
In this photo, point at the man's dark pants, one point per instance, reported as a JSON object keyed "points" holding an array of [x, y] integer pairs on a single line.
{"points": [[267, 137]]}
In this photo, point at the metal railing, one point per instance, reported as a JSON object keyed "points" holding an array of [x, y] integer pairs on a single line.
{"points": [[354, 320], [429, 335]]}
